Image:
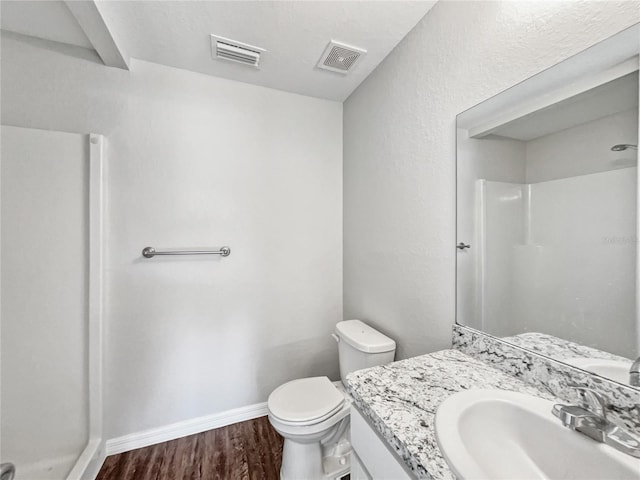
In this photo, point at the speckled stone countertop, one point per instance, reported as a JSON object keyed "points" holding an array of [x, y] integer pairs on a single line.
{"points": [[558, 348], [401, 399]]}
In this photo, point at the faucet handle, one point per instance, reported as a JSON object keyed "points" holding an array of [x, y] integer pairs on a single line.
{"points": [[594, 399]]}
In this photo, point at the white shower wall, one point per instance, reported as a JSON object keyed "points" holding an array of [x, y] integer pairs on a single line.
{"points": [[574, 275], [45, 317], [584, 289], [500, 231]]}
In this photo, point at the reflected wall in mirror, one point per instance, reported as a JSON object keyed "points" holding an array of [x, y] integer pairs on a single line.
{"points": [[547, 200]]}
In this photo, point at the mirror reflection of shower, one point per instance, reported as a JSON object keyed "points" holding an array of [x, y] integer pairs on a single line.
{"points": [[621, 147], [548, 201], [625, 161]]}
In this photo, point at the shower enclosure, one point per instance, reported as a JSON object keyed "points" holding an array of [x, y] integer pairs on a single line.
{"points": [[532, 243], [51, 287]]}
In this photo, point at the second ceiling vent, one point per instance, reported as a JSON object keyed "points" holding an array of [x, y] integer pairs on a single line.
{"points": [[234, 51], [341, 58]]}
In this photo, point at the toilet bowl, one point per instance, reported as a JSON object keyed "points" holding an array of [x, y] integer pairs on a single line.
{"points": [[312, 414]]}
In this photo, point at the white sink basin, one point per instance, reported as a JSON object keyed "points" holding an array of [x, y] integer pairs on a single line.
{"points": [[495, 434], [613, 369]]}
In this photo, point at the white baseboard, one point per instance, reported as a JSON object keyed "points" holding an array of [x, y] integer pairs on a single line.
{"points": [[183, 429]]}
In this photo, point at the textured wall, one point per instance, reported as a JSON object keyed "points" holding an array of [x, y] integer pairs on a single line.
{"points": [[195, 161], [399, 149]]}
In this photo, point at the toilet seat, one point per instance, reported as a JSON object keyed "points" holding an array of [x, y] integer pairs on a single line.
{"points": [[306, 401]]}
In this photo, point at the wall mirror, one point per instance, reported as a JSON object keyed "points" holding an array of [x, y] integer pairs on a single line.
{"points": [[547, 211]]}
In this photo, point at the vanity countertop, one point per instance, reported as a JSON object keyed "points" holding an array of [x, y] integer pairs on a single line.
{"points": [[400, 400], [559, 348]]}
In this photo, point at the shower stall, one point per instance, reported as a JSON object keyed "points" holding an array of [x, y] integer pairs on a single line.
{"points": [[532, 241], [51, 284]]}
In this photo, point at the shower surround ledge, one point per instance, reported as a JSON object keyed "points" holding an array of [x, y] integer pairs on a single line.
{"points": [[400, 401], [549, 375]]}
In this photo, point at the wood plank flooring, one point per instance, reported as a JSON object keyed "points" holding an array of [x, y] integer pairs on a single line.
{"points": [[247, 450]]}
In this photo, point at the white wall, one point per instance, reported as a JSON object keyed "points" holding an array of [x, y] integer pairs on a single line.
{"points": [[198, 161], [399, 149], [583, 149], [45, 258]]}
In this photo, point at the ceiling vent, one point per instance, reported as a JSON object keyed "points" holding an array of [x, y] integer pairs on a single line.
{"points": [[341, 58], [234, 51]]}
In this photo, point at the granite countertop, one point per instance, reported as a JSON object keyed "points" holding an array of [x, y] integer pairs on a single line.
{"points": [[559, 348], [400, 399]]}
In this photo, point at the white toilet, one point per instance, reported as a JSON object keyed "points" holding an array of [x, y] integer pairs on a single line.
{"points": [[312, 414]]}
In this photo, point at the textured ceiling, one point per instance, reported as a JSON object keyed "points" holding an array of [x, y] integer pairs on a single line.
{"points": [[294, 33]]}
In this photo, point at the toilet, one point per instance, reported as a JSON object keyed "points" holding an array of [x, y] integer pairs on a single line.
{"points": [[312, 414]]}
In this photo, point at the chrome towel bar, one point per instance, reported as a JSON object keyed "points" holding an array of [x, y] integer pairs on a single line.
{"points": [[150, 252]]}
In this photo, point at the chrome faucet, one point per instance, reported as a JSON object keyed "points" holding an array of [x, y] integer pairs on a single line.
{"points": [[592, 422], [634, 374]]}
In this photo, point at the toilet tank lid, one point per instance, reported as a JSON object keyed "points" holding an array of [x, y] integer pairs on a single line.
{"points": [[364, 338]]}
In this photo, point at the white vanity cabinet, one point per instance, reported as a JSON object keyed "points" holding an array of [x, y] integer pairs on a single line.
{"points": [[371, 457]]}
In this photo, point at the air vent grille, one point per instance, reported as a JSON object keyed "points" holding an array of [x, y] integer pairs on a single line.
{"points": [[227, 49], [237, 54], [340, 58]]}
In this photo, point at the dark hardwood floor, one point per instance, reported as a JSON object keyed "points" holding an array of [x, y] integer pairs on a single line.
{"points": [[247, 450]]}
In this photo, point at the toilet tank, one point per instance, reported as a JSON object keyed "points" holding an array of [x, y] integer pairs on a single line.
{"points": [[360, 346]]}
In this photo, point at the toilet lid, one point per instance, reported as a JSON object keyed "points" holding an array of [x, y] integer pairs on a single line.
{"points": [[305, 400]]}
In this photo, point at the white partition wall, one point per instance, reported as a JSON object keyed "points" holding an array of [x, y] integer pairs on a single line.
{"points": [[51, 229]]}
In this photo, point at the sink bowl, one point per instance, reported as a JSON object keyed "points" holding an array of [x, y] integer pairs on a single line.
{"points": [[495, 434], [615, 370]]}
